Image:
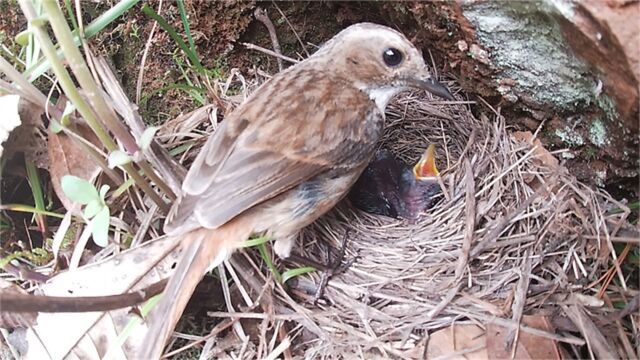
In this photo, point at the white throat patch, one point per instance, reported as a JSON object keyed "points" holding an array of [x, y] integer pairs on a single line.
{"points": [[383, 95]]}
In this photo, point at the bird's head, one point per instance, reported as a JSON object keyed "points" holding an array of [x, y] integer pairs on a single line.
{"points": [[425, 168], [419, 187], [380, 61]]}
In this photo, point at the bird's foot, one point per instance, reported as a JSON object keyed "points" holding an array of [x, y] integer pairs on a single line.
{"points": [[335, 267], [332, 268]]}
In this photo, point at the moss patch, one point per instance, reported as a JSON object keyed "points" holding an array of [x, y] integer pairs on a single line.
{"points": [[569, 137]]}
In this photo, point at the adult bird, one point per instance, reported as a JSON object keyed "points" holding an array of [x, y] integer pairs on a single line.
{"points": [[285, 156], [391, 188]]}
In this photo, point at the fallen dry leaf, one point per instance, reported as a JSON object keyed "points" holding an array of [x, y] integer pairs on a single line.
{"points": [[90, 335], [468, 341], [529, 346], [471, 342], [68, 157], [542, 155], [24, 132], [14, 320]]}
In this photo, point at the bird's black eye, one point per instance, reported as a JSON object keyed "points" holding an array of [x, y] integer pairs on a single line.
{"points": [[392, 56]]}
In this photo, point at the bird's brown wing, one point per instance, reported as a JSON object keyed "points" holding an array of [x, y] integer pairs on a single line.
{"points": [[236, 189], [258, 154]]}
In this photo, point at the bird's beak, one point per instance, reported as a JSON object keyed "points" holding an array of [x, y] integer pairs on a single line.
{"points": [[431, 85], [426, 167]]}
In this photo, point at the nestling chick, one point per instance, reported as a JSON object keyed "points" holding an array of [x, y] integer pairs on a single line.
{"points": [[286, 156], [391, 188]]}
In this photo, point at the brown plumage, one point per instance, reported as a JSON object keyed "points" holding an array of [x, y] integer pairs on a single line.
{"points": [[285, 156]]}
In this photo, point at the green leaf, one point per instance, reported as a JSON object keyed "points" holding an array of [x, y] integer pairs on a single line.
{"points": [[179, 149], [100, 230], [632, 206], [185, 23], [118, 158], [93, 208], [36, 189], [71, 14], [291, 273], [186, 88], [147, 136], [78, 190], [22, 38], [103, 191], [132, 325]]}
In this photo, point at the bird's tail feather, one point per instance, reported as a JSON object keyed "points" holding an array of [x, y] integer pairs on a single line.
{"points": [[203, 248]]}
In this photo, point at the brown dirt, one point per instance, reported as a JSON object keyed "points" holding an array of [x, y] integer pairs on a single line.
{"points": [[160, 99], [11, 23]]}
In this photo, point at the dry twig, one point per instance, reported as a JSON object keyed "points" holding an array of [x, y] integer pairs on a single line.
{"points": [[261, 15]]}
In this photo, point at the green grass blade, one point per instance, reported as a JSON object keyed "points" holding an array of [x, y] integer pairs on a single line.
{"points": [[123, 188], [4, 223], [32, 50], [179, 149], [108, 17], [72, 15], [133, 323], [291, 273], [191, 90], [256, 241], [267, 258], [183, 71], [29, 209], [185, 23], [632, 206], [193, 57]]}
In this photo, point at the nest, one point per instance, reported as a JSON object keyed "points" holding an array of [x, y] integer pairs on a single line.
{"points": [[508, 233], [513, 234]]}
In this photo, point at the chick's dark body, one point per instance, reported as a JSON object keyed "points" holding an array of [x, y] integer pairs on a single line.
{"points": [[377, 191], [389, 187]]}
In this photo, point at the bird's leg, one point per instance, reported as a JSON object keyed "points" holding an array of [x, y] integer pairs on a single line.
{"points": [[336, 267], [328, 270]]}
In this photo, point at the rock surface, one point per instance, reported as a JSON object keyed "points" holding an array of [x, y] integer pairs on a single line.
{"points": [[570, 68]]}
